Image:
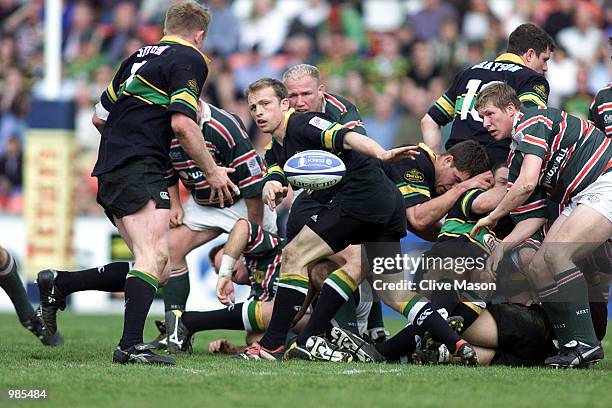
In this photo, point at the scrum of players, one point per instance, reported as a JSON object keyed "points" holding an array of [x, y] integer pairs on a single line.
{"points": [[524, 186]]}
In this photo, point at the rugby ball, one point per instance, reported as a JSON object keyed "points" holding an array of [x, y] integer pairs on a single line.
{"points": [[314, 169]]}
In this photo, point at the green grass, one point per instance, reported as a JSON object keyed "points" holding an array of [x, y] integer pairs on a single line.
{"points": [[80, 375]]}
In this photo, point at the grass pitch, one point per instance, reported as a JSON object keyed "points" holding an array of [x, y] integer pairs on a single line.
{"points": [[80, 374]]}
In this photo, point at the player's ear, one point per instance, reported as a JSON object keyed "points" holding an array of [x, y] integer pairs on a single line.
{"points": [[284, 104], [199, 38], [321, 90]]}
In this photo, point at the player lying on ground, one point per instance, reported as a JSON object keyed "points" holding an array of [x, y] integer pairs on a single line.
{"points": [[10, 281], [571, 162]]}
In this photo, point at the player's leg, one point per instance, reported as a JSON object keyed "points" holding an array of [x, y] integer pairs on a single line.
{"points": [[579, 235], [10, 281], [147, 230]]}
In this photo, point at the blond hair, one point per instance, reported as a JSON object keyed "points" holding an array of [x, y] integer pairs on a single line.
{"points": [[300, 71], [499, 94], [186, 17]]}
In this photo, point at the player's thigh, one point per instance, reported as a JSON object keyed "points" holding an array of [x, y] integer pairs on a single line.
{"points": [[349, 259], [483, 332], [305, 248], [147, 229], [121, 228], [182, 240]]}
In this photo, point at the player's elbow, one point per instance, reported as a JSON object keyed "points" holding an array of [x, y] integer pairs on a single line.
{"points": [[180, 123], [417, 224], [97, 122], [428, 123]]}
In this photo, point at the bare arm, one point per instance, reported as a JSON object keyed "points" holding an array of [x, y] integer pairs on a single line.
{"points": [[98, 123], [489, 200], [255, 209], [432, 135], [369, 147], [191, 139]]}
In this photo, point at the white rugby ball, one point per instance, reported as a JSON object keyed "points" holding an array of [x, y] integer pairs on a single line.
{"points": [[314, 169]]}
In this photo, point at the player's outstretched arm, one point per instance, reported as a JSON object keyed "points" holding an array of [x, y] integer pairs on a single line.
{"points": [[523, 187], [190, 136], [273, 193], [368, 146], [233, 248]]}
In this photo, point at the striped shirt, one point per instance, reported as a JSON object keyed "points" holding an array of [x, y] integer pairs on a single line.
{"points": [[263, 255], [230, 146], [600, 111]]}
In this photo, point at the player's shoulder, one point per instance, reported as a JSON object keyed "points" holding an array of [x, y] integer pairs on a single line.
{"points": [[336, 104], [182, 50], [300, 120], [604, 94]]}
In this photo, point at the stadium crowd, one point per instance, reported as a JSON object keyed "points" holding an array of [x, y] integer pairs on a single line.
{"points": [[392, 58]]}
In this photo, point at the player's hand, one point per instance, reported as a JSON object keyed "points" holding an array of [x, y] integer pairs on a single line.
{"points": [[483, 180], [225, 288], [220, 185], [486, 222], [273, 193], [176, 216], [493, 260], [400, 153], [222, 346]]}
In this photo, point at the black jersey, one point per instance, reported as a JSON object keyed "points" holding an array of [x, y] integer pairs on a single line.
{"points": [[457, 103], [415, 179], [364, 192], [154, 82]]}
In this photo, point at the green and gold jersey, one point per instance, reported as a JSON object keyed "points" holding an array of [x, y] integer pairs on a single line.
{"points": [[153, 83], [574, 152], [263, 256], [600, 111], [342, 111], [457, 103]]}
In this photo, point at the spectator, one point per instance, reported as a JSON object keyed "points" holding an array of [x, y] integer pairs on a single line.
{"points": [[578, 104], [266, 28], [426, 23], [79, 32], [14, 103], [476, 21], [561, 18], [224, 32], [424, 72], [310, 20], [11, 164], [383, 125], [120, 31], [562, 73], [582, 40]]}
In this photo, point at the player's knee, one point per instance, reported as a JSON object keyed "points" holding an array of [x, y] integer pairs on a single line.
{"points": [[537, 267], [292, 259], [555, 255]]}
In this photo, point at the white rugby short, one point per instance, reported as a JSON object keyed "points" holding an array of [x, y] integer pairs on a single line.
{"points": [[597, 196], [203, 218]]}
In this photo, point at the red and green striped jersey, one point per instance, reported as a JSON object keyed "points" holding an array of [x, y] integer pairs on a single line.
{"points": [[600, 111], [457, 103], [153, 83], [574, 152], [229, 144], [341, 110], [263, 256]]}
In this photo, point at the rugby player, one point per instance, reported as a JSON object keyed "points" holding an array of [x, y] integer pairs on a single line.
{"points": [[570, 161], [356, 214], [600, 111], [522, 66], [308, 94], [10, 281], [151, 97]]}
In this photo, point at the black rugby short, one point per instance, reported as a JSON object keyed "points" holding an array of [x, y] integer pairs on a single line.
{"points": [[524, 335], [129, 187], [303, 208]]}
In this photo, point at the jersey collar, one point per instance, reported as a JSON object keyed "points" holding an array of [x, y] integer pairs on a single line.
{"points": [[430, 153], [178, 40], [508, 56]]}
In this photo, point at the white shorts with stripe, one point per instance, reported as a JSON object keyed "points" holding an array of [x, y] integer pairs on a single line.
{"points": [[597, 196], [203, 218]]}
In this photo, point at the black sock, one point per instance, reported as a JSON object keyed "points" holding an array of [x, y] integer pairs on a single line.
{"points": [[375, 318], [176, 290], [346, 317], [421, 313], [337, 289], [444, 299], [107, 278], [139, 292], [403, 343], [12, 285], [289, 297], [228, 319]]}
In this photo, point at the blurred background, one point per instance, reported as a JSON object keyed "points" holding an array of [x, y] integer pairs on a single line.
{"points": [[392, 58]]}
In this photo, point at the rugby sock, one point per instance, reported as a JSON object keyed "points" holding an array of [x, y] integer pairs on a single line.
{"points": [[404, 342], [176, 290], [555, 311], [375, 318], [445, 299], [289, 298], [140, 287], [241, 316], [337, 289], [469, 308], [12, 285], [420, 312], [573, 289], [107, 278], [346, 316]]}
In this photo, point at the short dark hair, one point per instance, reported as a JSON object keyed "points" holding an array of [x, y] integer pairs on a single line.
{"points": [[528, 36], [213, 253], [279, 88], [470, 156]]}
